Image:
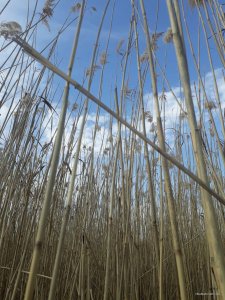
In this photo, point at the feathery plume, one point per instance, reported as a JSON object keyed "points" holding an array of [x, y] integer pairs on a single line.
{"points": [[48, 8], [155, 38], [148, 116], [74, 107], [152, 128], [119, 46], [168, 36], [10, 29], [76, 7], [47, 12], [89, 72], [210, 105], [144, 57], [183, 115], [127, 91], [103, 58]]}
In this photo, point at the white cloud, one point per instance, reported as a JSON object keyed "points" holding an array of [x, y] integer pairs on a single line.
{"points": [[172, 108], [172, 113]]}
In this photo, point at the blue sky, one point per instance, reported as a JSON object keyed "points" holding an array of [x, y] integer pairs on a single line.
{"points": [[120, 29]]}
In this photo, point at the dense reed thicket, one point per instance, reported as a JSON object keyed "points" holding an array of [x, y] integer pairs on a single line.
{"points": [[123, 199]]}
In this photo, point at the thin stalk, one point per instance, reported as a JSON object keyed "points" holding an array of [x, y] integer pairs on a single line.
{"points": [[110, 216], [49, 188], [212, 231], [168, 186], [150, 180], [71, 186]]}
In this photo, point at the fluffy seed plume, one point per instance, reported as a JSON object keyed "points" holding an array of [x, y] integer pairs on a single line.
{"points": [[148, 116], [91, 71], [74, 107], [48, 8], [103, 58], [127, 91], [183, 115], [119, 46], [106, 150], [144, 57], [137, 146], [155, 38], [152, 128], [210, 105], [168, 36], [110, 139], [76, 7], [47, 12], [10, 29]]}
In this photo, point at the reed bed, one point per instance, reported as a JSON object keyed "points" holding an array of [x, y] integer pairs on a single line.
{"points": [[123, 198]]}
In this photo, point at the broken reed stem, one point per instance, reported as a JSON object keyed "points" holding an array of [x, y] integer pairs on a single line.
{"points": [[27, 272]]}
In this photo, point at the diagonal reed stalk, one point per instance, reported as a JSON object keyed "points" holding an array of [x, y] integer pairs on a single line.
{"points": [[31, 51]]}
